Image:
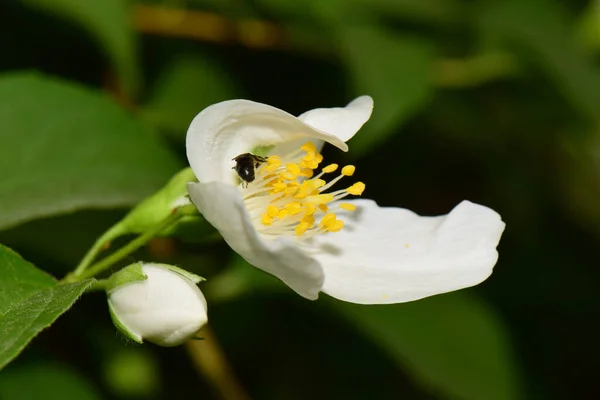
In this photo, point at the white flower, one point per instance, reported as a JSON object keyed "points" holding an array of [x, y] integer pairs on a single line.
{"points": [[167, 308], [299, 230]]}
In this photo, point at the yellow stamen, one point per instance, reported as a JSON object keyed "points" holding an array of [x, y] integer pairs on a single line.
{"points": [[320, 198], [309, 164], [357, 189], [272, 167], [310, 156], [307, 172], [272, 211], [287, 175], [336, 226], [308, 147], [317, 183], [293, 201], [331, 168], [308, 219], [279, 187], [293, 208], [293, 168], [348, 170], [347, 206], [283, 213], [301, 228], [310, 209]]}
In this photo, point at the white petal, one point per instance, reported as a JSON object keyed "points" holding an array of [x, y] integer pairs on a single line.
{"points": [[222, 206], [224, 130], [341, 122], [392, 255]]}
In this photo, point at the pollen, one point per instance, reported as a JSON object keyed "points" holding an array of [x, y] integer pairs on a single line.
{"points": [[289, 196]]}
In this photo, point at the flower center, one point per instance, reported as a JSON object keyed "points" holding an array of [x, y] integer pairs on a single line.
{"points": [[286, 199]]}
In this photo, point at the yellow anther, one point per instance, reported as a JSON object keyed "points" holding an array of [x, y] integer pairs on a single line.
{"points": [[309, 164], [320, 198], [330, 168], [272, 211], [287, 175], [348, 170], [327, 220], [276, 199], [293, 168], [301, 228], [279, 187], [310, 209], [272, 167], [347, 206], [336, 226], [283, 213], [307, 172], [294, 208], [305, 189], [310, 156], [309, 219], [357, 189], [309, 146], [317, 183], [294, 201], [291, 190]]}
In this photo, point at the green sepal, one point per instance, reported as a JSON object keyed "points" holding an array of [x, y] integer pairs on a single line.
{"points": [[122, 328], [162, 203], [130, 274], [186, 274]]}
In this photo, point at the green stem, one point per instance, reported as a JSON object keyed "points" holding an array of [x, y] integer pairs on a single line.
{"points": [[126, 250], [111, 234], [98, 286]]}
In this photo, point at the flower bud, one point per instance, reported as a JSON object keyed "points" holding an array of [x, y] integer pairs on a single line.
{"points": [[156, 302], [158, 206]]}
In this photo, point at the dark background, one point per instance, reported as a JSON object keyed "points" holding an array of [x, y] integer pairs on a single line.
{"points": [[497, 102]]}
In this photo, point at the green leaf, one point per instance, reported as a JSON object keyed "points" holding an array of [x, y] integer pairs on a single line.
{"points": [[67, 148], [395, 71], [30, 300], [452, 344], [588, 27], [48, 381], [185, 88], [109, 23], [538, 29], [19, 279]]}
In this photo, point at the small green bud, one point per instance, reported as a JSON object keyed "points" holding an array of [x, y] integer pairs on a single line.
{"points": [[162, 203]]}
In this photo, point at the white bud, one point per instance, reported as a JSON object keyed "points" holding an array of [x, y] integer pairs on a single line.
{"points": [[167, 308]]}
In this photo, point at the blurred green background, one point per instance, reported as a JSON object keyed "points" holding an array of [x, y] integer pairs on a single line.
{"points": [[497, 102]]}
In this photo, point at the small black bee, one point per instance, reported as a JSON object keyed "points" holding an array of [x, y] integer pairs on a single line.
{"points": [[245, 165]]}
